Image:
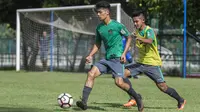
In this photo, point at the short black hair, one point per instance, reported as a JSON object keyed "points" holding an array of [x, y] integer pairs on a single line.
{"points": [[138, 13], [102, 4]]}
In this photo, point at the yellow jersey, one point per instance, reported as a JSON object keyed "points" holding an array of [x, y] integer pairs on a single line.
{"points": [[148, 53]]}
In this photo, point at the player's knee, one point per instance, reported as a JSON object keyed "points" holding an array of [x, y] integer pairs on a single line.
{"points": [[127, 73], [91, 75], [162, 86], [119, 82]]}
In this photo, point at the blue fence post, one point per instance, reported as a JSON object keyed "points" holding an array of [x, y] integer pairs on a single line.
{"points": [[51, 42], [185, 39]]}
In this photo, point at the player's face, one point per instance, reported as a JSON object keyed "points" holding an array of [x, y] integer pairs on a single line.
{"points": [[102, 13], [138, 21], [44, 34]]}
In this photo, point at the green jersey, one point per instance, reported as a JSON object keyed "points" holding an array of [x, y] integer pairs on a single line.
{"points": [[111, 35]]}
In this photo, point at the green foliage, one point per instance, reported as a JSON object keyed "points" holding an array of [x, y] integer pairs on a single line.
{"points": [[57, 3], [8, 9], [51, 3], [193, 8], [4, 8], [171, 11], [167, 10], [6, 31]]}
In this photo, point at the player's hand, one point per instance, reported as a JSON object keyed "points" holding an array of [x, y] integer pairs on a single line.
{"points": [[88, 59], [139, 39], [123, 58]]}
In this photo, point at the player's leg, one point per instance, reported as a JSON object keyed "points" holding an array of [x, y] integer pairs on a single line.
{"points": [[130, 60], [95, 71], [45, 60], [131, 70], [115, 66], [45, 64], [173, 93], [130, 91], [155, 73], [131, 101], [42, 59]]}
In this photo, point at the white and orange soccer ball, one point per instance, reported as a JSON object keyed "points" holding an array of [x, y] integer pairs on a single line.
{"points": [[65, 100]]}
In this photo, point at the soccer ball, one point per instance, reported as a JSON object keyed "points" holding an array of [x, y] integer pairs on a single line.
{"points": [[65, 100]]}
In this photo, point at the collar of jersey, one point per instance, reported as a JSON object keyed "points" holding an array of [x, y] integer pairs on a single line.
{"points": [[144, 30], [108, 22]]}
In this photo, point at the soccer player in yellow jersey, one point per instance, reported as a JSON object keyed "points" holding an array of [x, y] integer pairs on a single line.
{"points": [[149, 61]]}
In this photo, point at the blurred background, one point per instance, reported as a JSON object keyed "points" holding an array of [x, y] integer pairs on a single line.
{"points": [[71, 33]]}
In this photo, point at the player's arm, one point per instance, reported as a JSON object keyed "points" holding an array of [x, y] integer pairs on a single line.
{"points": [[147, 41], [95, 48], [128, 43], [124, 32], [150, 37]]}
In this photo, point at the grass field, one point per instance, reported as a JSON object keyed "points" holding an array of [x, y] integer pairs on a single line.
{"points": [[38, 91]]}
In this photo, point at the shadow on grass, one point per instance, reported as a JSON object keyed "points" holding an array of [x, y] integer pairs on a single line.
{"points": [[108, 104], [21, 109], [119, 105], [62, 110], [89, 108], [74, 108], [59, 109], [148, 107], [114, 105]]}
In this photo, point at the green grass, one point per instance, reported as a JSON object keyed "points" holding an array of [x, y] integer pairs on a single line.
{"points": [[38, 92]]}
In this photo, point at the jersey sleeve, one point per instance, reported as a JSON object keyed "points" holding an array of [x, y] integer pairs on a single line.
{"points": [[150, 34], [98, 37], [123, 30]]}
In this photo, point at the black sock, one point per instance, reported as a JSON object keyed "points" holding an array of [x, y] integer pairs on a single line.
{"points": [[132, 93], [172, 92], [126, 80], [86, 92]]}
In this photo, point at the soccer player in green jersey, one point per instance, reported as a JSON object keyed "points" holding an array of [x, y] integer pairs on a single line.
{"points": [[110, 32], [149, 60]]}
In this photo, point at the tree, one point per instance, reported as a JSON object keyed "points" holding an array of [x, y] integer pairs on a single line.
{"points": [[171, 11], [8, 9], [57, 3], [6, 31]]}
